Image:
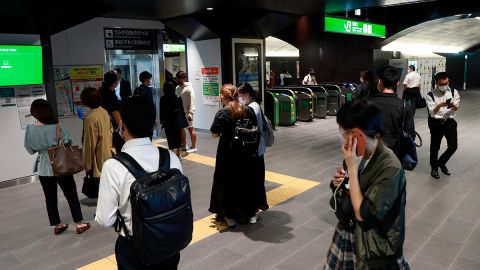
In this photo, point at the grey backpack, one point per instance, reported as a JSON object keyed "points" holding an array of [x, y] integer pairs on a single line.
{"points": [[268, 131]]}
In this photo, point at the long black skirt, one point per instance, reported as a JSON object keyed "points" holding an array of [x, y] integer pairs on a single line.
{"points": [[174, 138]]}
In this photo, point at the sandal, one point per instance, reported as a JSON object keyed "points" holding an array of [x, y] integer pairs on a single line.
{"points": [[82, 229], [59, 230]]}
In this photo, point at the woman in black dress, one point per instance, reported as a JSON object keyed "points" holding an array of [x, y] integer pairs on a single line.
{"points": [[113, 106], [233, 181], [170, 106]]}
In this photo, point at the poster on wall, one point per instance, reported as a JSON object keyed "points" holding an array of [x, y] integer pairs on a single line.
{"points": [[247, 64], [210, 85], [24, 96], [25, 117], [63, 90], [83, 77]]}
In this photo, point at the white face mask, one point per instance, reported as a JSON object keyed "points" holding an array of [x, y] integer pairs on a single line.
{"points": [[241, 100], [443, 88]]}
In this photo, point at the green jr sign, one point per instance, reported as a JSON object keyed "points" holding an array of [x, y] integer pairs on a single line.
{"points": [[346, 26]]}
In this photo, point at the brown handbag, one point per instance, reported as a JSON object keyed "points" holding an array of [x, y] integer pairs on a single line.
{"points": [[65, 159]]}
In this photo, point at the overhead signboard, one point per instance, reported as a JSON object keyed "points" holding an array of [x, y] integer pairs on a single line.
{"points": [[173, 47], [353, 27], [129, 39]]}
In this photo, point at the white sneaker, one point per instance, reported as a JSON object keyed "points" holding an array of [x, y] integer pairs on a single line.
{"points": [[185, 149], [253, 219], [231, 222], [192, 150]]}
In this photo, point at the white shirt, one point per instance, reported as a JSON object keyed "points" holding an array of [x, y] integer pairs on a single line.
{"points": [[188, 97], [115, 181], [412, 80], [283, 76], [309, 80], [443, 112]]}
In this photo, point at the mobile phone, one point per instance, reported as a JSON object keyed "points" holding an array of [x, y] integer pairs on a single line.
{"points": [[361, 143], [448, 100]]}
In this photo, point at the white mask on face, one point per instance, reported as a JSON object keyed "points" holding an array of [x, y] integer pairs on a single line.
{"points": [[443, 88], [241, 100]]}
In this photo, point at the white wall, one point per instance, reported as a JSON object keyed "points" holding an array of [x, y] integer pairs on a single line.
{"points": [[15, 162], [200, 54], [84, 45]]}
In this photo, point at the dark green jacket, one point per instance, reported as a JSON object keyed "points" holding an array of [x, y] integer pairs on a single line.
{"points": [[379, 238]]}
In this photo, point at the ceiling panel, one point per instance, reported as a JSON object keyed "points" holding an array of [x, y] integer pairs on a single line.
{"points": [[443, 36]]}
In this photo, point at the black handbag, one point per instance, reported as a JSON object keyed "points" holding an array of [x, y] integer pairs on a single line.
{"points": [[421, 102], [90, 186], [341, 205], [408, 149]]}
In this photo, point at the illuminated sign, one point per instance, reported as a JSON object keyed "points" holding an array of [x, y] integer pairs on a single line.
{"points": [[173, 47], [347, 26]]}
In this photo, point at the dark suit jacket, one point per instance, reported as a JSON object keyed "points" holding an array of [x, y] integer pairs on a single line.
{"points": [[125, 90], [144, 91]]}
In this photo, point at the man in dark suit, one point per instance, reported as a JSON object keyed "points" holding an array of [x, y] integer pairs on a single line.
{"points": [[125, 87], [144, 90]]}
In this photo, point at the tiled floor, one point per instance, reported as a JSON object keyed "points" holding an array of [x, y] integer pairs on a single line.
{"points": [[443, 226]]}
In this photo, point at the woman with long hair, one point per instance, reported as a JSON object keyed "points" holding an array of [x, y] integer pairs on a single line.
{"points": [[367, 87], [38, 138], [233, 180]]}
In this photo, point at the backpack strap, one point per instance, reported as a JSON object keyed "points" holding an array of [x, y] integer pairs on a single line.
{"points": [[164, 159], [131, 164], [430, 94]]}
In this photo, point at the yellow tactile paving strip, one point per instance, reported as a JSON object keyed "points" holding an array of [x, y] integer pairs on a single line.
{"points": [[289, 187]]}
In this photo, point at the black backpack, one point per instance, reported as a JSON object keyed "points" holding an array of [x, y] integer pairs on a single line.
{"points": [[162, 217], [246, 138]]}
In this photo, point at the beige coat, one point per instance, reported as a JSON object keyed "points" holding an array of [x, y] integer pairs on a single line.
{"points": [[97, 140]]}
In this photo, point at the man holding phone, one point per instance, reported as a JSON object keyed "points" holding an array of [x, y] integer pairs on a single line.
{"points": [[442, 103]]}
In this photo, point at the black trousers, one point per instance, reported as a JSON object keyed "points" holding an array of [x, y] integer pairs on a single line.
{"points": [[67, 184], [127, 259], [439, 129], [412, 95]]}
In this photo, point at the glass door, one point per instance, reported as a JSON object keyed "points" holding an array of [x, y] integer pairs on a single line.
{"points": [[132, 63]]}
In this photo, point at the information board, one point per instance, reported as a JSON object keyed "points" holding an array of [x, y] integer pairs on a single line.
{"points": [[348, 26], [129, 39]]}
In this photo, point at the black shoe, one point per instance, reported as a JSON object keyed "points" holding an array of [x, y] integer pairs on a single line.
{"points": [[435, 174], [445, 170]]}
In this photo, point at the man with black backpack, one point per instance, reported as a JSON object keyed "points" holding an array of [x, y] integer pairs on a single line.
{"points": [[153, 225]]}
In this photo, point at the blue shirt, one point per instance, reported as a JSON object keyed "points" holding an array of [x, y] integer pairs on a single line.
{"points": [[38, 138], [258, 113]]}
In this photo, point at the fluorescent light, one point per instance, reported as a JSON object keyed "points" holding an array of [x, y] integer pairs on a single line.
{"points": [[209, 8], [282, 54], [413, 48]]}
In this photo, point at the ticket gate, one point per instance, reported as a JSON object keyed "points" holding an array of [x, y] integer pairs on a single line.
{"points": [[304, 106], [302, 101], [334, 98], [321, 95], [301, 91], [287, 115], [272, 108]]}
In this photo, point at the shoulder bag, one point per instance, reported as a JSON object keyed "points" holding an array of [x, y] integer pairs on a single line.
{"points": [[65, 159]]}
